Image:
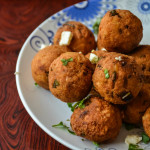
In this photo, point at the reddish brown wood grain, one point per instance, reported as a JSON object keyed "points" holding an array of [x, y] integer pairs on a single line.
{"points": [[17, 20]]}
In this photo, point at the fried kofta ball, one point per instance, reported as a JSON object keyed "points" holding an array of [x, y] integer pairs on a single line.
{"points": [[119, 31], [41, 62], [83, 39], [98, 121], [134, 111], [70, 77], [142, 56], [146, 122], [118, 78]]}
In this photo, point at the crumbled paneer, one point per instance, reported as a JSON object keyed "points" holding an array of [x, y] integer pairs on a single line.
{"points": [[93, 58], [66, 37], [132, 139], [103, 49], [92, 50], [43, 46], [118, 58]]}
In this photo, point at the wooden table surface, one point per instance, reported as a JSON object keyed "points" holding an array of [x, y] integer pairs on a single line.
{"points": [[18, 18]]}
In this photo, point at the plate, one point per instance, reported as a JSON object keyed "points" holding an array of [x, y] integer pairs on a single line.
{"points": [[41, 105]]}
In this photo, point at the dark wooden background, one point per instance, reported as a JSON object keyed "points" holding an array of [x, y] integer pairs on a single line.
{"points": [[18, 18]]}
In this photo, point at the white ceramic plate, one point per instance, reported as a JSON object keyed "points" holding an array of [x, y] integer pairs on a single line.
{"points": [[42, 106]]}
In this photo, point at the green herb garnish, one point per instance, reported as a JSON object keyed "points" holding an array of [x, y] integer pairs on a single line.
{"points": [[134, 147], [79, 104], [55, 84], [96, 144], [35, 84], [96, 25], [106, 73], [70, 106], [61, 125], [114, 13], [65, 61], [145, 138]]}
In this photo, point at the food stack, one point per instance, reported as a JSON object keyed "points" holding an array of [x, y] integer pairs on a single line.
{"points": [[109, 85]]}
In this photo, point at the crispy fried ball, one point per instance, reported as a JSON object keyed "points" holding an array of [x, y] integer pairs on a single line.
{"points": [[142, 56], [99, 121], [118, 78], [119, 31], [70, 77], [41, 62], [146, 122], [134, 111], [83, 39]]}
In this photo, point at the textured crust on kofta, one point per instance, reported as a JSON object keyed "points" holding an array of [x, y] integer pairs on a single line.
{"points": [[41, 62], [134, 111], [99, 121], [83, 39], [119, 31], [146, 122], [74, 80], [118, 78], [142, 56]]}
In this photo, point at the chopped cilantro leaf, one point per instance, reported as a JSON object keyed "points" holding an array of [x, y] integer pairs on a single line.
{"points": [[35, 84], [114, 13], [61, 125], [96, 25], [55, 84], [65, 61], [106, 73], [70, 106], [79, 104], [134, 147], [96, 144], [145, 138]]}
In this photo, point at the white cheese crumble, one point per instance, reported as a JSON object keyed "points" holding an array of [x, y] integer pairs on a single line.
{"points": [[43, 46], [92, 50], [133, 139], [66, 37], [93, 58], [80, 52], [118, 58], [103, 49]]}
